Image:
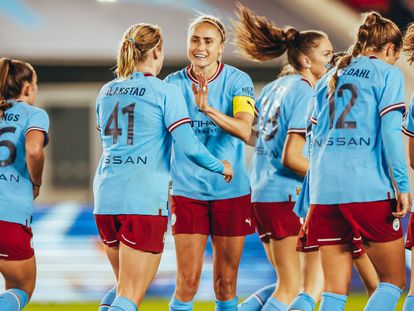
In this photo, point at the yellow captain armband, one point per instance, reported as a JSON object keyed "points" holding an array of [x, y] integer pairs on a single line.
{"points": [[243, 104]]}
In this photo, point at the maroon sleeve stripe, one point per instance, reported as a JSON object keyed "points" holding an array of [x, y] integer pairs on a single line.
{"points": [[176, 124], [34, 128], [407, 132], [313, 120], [392, 107], [98, 127]]}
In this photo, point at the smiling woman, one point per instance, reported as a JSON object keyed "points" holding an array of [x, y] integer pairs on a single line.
{"points": [[220, 101]]}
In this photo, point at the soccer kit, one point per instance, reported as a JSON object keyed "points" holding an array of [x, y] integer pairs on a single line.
{"points": [[408, 129], [200, 198], [356, 142], [138, 118], [275, 188], [16, 188]]}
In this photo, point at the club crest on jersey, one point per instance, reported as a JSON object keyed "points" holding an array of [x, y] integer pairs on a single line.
{"points": [[396, 224], [173, 219], [298, 189]]}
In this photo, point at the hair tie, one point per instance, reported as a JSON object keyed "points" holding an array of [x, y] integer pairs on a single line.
{"points": [[132, 40]]}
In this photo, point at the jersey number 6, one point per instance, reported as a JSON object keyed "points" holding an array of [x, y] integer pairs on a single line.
{"points": [[8, 144]]}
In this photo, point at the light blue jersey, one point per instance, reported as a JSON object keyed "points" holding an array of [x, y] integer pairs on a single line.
{"points": [[138, 118], [16, 188], [408, 124], [348, 162], [191, 181], [282, 108]]}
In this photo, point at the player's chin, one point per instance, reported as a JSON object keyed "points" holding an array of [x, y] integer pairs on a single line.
{"points": [[199, 62]]}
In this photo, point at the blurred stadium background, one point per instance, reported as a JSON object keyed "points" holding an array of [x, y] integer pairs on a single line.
{"points": [[73, 45]]}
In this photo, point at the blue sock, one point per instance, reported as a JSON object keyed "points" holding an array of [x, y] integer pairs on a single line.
{"points": [[108, 299], [13, 299], [333, 302], [230, 305], [303, 302], [272, 304], [123, 304], [384, 298], [256, 301], [176, 305], [409, 303]]}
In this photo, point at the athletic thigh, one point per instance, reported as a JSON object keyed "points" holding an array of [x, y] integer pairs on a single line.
{"points": [[19, 274], [136, 271], [388, 259], [189, 249], [287, 262], [337, 267]]}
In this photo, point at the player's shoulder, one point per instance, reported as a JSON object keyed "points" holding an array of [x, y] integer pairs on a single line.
{"points": [[380, 65], [176, 76], [30, 110], [234, 72]]}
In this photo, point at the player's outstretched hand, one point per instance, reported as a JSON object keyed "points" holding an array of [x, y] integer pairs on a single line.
{"points": [[403, 205], [228, 171], [201, 94]]}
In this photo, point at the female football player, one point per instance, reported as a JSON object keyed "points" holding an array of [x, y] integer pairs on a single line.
{"points": [[280, 161], [408, 129], [220, 100], [23, 135], [357, 156], [138, 116]]}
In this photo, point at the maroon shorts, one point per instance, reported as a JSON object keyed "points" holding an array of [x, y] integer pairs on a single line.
{"points": [[409, 243], [303, 244], [353, 223], [15, 241], [228, 217], [142, 232], [275, 220]]}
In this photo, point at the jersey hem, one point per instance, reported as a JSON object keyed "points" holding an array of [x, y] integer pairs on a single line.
{"points": [[205, 198]]}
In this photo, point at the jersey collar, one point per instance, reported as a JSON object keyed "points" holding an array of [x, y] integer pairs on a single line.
{"points": [[215, 75], [307, 81], [137, 74]]}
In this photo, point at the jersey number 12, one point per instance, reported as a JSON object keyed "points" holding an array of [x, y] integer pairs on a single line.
{"points": [[341, 123]]}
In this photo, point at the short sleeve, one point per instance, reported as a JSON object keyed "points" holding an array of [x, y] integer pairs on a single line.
{"points": [[243, 86], [98, 118], [243, 89], [297, 118], [392, 94], [175, 109], [408, 122], [39, 121]]}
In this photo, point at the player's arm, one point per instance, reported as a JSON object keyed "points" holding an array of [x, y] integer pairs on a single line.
{"points": [[239, 126], [411, 151], [254, 133], [292, 156], [394, 150], [190, 145], [35, 141]]}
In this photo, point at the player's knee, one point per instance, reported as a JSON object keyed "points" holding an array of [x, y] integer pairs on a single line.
{"points": [[188, 282], [224, 287]]}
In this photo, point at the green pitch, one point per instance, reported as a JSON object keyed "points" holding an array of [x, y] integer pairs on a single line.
{"points": [[355, 302]]}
